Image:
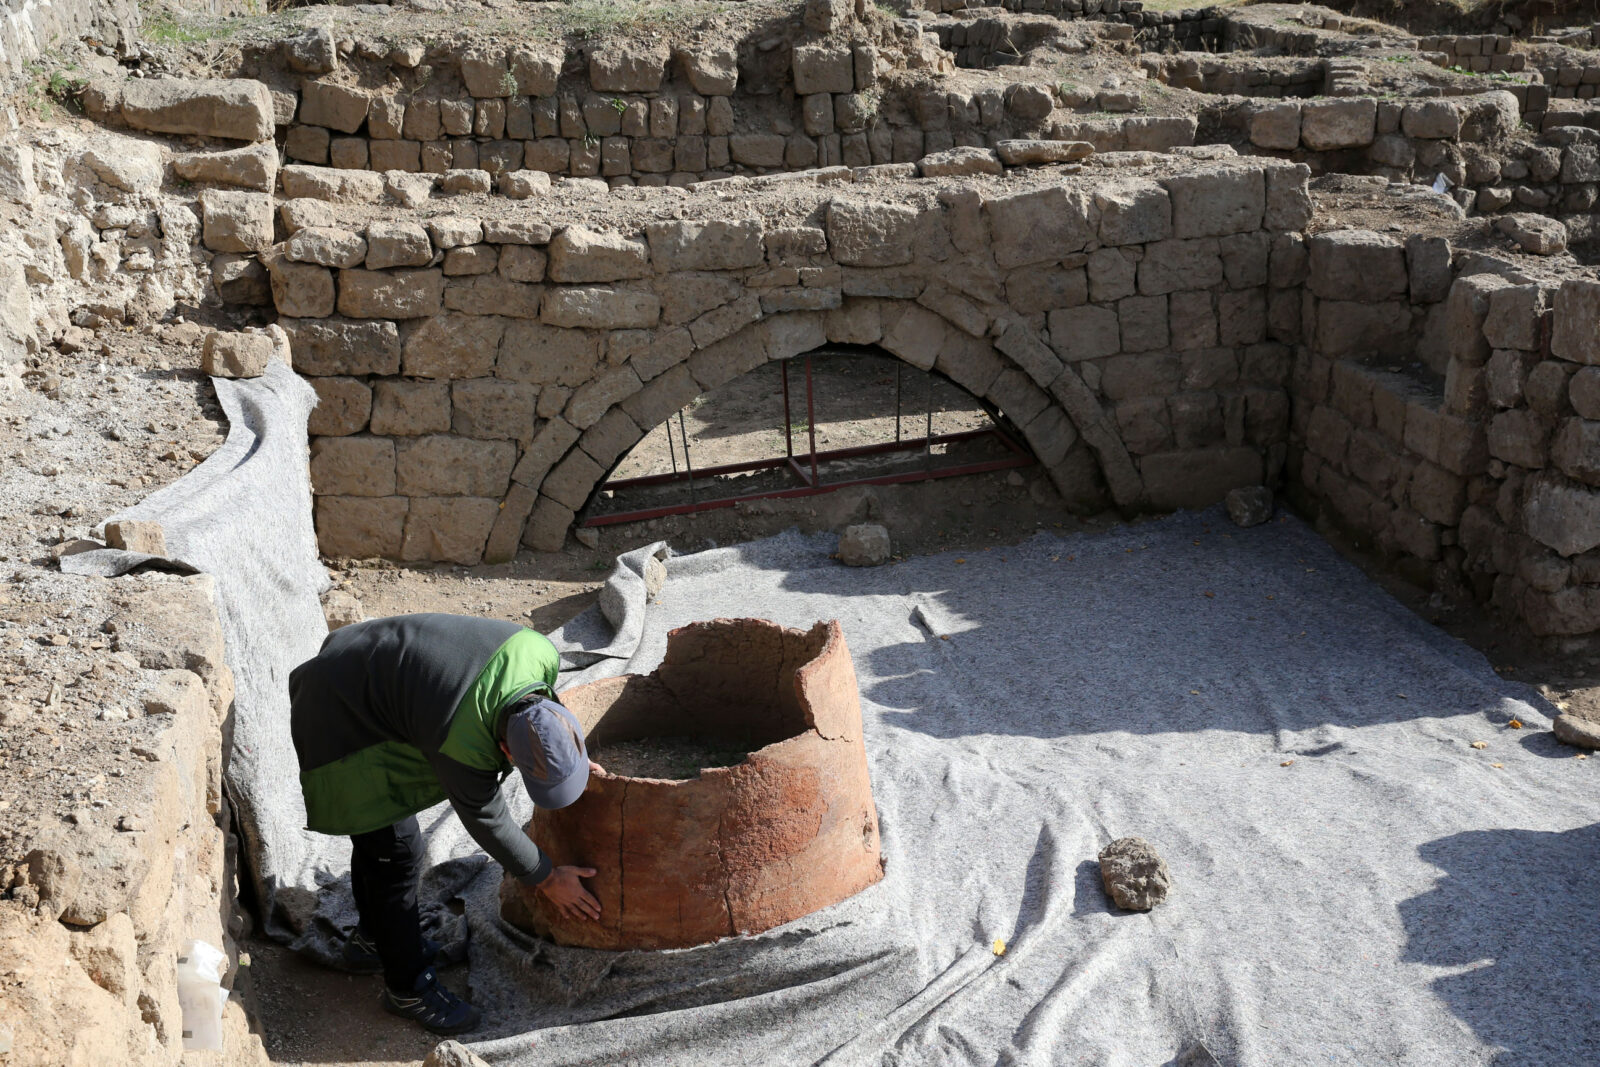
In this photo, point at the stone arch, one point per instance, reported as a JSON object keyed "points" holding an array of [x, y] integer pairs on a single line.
{"points": [[1058, 416]]}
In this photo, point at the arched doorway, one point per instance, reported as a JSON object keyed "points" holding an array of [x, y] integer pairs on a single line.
{"points": [[838, 416]]}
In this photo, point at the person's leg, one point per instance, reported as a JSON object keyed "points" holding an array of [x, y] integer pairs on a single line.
{"points": [[384, 866]]}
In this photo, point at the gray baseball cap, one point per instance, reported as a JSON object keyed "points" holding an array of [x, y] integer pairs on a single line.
{"points": [[546, 745]]}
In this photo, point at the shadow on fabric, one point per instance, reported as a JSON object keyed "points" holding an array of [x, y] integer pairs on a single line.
{"points": [[1512, 905]]}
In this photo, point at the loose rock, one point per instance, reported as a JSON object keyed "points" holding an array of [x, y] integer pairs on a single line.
{"points": [[1135, 876], [132, 535], [341, 608], [235, 355], [1576, 730], [1250, 505], [864, 546]]}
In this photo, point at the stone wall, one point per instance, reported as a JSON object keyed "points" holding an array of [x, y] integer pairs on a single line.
{"points": [[1475, 469], [1467, 139], [646, 117], [1478, 53], [97, 915], [481, 374], [30, 28]]}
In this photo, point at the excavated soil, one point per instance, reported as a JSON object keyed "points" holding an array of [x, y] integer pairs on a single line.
{"points": [[674, 758]]}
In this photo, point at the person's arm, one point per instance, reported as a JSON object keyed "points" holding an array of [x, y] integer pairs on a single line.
{"points": [[475, 796]]}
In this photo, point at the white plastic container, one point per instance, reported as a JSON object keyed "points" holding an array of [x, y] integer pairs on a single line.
{"points": [[201, 996]]}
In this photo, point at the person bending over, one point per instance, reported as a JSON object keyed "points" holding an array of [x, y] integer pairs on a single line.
{"points": [[394, 715]]}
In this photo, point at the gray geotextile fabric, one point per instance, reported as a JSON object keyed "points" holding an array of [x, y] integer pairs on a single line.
{"points": [[1353, 882], [244, 517]]}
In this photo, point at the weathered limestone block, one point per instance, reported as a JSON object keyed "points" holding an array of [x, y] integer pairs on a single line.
{"points": [[236, 355], [823, 68], [330, 183], [353, 466], [594, 398], [471, 260], [1576, 450], [301, 290], [725, 321], [1041, 225], [446, 465], [1521, 437], [572, 480], [490, 409], [448, 529], [1432, 119], [148, 538], [661, 397], [548, 525], [336, 107], [757, 149], [311, 51], [343, 407], [516, 231], [339, 347], [1082, 333], [1215, 201], [1276, 127], [1288, 198], [1576, 335], [1133, 213], [1583, 391], [711, 71], [1514, 317], [491, 294], [548, 355], [410, 409], [1330, 124], [1561, 515], [708, 245], [1171, 266], [485, 73], [1024, 152], [466, 181], [1428, 262], [600, 307], [963, 160], [525, 184], [238, 108], [1358, 265], [1457, 331], [253, 167], [326, 247], [521, 263], [631, 68], [536, 69], [358, 527], [397, 244], [579, 254], [304, 211], [236, 221], [17, 179], [454, 231], [397, 294], [798, 690], [1029, 102], [452, 346]]}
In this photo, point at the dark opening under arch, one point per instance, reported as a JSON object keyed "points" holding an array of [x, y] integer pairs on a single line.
{"points": [[839, 415]]}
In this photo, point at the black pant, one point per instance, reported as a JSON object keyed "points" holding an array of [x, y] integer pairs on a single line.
{"points": [[384, 865]]}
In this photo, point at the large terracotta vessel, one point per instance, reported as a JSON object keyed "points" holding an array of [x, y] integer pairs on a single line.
{"points": [[736, 850]]}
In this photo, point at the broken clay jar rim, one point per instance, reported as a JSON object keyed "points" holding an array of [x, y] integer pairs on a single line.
{"points": [[833, 637]]}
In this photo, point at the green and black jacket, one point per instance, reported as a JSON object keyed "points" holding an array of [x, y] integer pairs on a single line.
{"points": [[394, 715]]}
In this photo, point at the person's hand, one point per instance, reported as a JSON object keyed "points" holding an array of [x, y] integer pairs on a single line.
{"points": [[566, 892], [595, 768]]}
